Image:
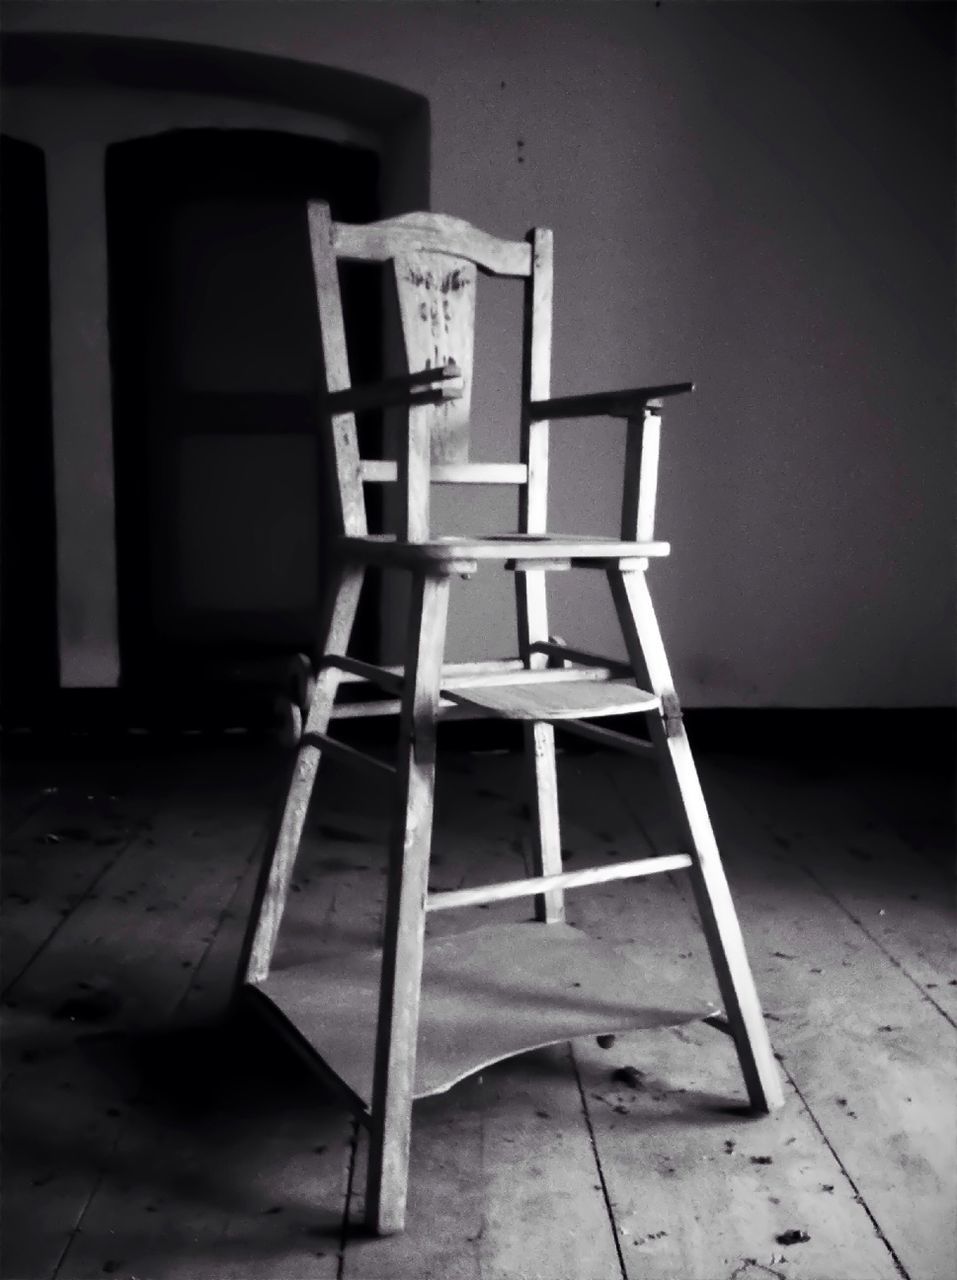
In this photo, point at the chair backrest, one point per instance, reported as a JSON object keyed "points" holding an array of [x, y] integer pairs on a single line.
{"points": [[435, 263]]}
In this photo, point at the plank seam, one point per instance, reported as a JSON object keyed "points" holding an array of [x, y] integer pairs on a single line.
{"points": [[135, 834], [606, 1195], [877, 943], [345, 1233], [94, 1190], [859, 1198]]}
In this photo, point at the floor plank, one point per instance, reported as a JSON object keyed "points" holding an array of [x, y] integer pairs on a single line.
{"points": [[151, 1138], [885, 1100]]}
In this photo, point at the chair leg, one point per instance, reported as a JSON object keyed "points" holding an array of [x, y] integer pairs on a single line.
{"points": [[540, 764], [715, 906], [403, 944], [542, 788], [276, 873]]}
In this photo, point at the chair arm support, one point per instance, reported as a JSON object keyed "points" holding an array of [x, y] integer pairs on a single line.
{"points": [[627, 403], [411, 389]]}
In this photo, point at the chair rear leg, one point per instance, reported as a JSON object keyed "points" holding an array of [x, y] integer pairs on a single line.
{"points": [[541, 776], [276, 873], [542, 789], [403, 945], [715, 906]]}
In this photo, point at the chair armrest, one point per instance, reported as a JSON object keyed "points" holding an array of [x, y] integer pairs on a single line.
{"points": [[627, 403], [426, 386]]}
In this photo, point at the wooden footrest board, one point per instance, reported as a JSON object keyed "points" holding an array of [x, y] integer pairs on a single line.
{"points": [[570, 700], [486, 995]]}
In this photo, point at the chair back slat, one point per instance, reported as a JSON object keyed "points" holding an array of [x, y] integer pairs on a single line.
{"points": [[436, 295]]}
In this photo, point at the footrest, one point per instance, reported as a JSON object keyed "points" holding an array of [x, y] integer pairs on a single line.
{"points": [[486, 994], [568, 700]]}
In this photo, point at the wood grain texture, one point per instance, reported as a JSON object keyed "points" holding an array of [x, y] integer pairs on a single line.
{"points": [[698, 1188], [401, 968], [435, 233], [869, 871], [117, 967], [874, 1063], [437, 307], [568, 699], [208, 1172]]}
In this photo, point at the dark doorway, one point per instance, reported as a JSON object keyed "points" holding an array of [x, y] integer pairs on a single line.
{"points": [[28, 652], [224, 499]]}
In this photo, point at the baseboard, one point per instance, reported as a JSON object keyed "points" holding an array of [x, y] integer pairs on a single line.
{"points": [[924, 735]]}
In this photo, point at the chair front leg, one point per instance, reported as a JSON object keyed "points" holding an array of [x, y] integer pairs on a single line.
{"points": [[541, 772], [403, 945]]}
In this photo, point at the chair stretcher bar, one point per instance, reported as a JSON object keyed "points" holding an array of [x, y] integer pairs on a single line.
{"points": [[565, 880]]}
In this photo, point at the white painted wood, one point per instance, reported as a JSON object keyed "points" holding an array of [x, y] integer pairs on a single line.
{"points": [[345, 446], [564, 880], [432, 233], [718, 918], [401, 969], [468, 675], [642, 447], [572, 697], [531, 593], [384, 549], [436, 296], [276, 874], [536, 382]]}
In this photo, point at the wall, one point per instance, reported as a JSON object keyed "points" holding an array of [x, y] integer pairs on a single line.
{"points": [[758, 196]]}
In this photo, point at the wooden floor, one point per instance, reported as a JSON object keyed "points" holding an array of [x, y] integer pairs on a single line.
{"points": [[144, 1137]]}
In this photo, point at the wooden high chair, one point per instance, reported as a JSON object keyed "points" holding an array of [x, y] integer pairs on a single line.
{"points": [[385, 1035]]}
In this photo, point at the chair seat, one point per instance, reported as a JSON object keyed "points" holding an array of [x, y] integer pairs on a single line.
{"points": [[386, 549], [567, 700]]}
